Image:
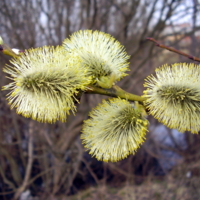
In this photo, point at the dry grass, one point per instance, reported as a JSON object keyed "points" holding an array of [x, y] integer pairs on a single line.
{"points": [[171, 187]]}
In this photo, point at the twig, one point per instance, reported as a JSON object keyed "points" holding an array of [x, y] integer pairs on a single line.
{"points": [[91, 171], [173, 50], [5, 49], [121, 171], [3, 174], [76, 166], [115, 91], [29, 164]]}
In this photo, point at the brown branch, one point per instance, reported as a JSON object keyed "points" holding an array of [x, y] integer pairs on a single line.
{"points": [[173, 50], [3, 174], [91, 171], [29, 164]]}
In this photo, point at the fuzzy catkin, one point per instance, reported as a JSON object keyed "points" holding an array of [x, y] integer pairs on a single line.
{"points": [[105, 57], [115, 129], [45, 82], [173, 96]]}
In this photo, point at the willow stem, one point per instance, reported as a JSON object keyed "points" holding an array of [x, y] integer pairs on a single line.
{"points": [[173, 50], [115, 91], [5, 49]]}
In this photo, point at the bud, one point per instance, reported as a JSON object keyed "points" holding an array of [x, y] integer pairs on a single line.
{"points": [[16, 51], [1, 40]]}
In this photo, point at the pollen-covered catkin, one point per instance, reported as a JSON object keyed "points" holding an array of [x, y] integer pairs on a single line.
{"points": [[173, 96], [45, 82], [105, 57], [115, 129]]}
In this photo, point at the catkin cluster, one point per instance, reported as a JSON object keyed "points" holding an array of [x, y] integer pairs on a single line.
{"points": [[47, 82]]}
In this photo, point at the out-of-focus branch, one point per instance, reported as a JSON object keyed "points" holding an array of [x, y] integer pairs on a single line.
{"points": [[173, 50], [29, 164], [91, 171], [8, 182]]}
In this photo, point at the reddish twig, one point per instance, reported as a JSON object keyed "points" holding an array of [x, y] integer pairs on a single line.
{"points": [[173, 50]]}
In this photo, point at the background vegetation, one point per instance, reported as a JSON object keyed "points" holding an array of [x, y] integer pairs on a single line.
{"points": [[48, 160]]}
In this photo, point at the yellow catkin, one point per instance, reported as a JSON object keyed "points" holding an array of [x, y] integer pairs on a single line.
{"points": [[45, 83], [115, 129], [105, 57], [173, 96]]}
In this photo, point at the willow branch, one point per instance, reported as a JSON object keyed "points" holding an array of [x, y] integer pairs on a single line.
{"points": [[29, 164], [115, 91], [5, 49], [173, 50]]}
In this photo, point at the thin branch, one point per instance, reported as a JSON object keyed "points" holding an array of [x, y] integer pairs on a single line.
{"points": [[29, 164], [5, 49], [3, 174], [91, 171], [173, 50], [115, 91]]}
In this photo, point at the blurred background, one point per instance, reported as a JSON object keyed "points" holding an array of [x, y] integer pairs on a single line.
{"points": [[47, 161]]}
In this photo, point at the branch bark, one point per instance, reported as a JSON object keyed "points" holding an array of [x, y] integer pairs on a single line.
{"points": [[173, 50]]}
